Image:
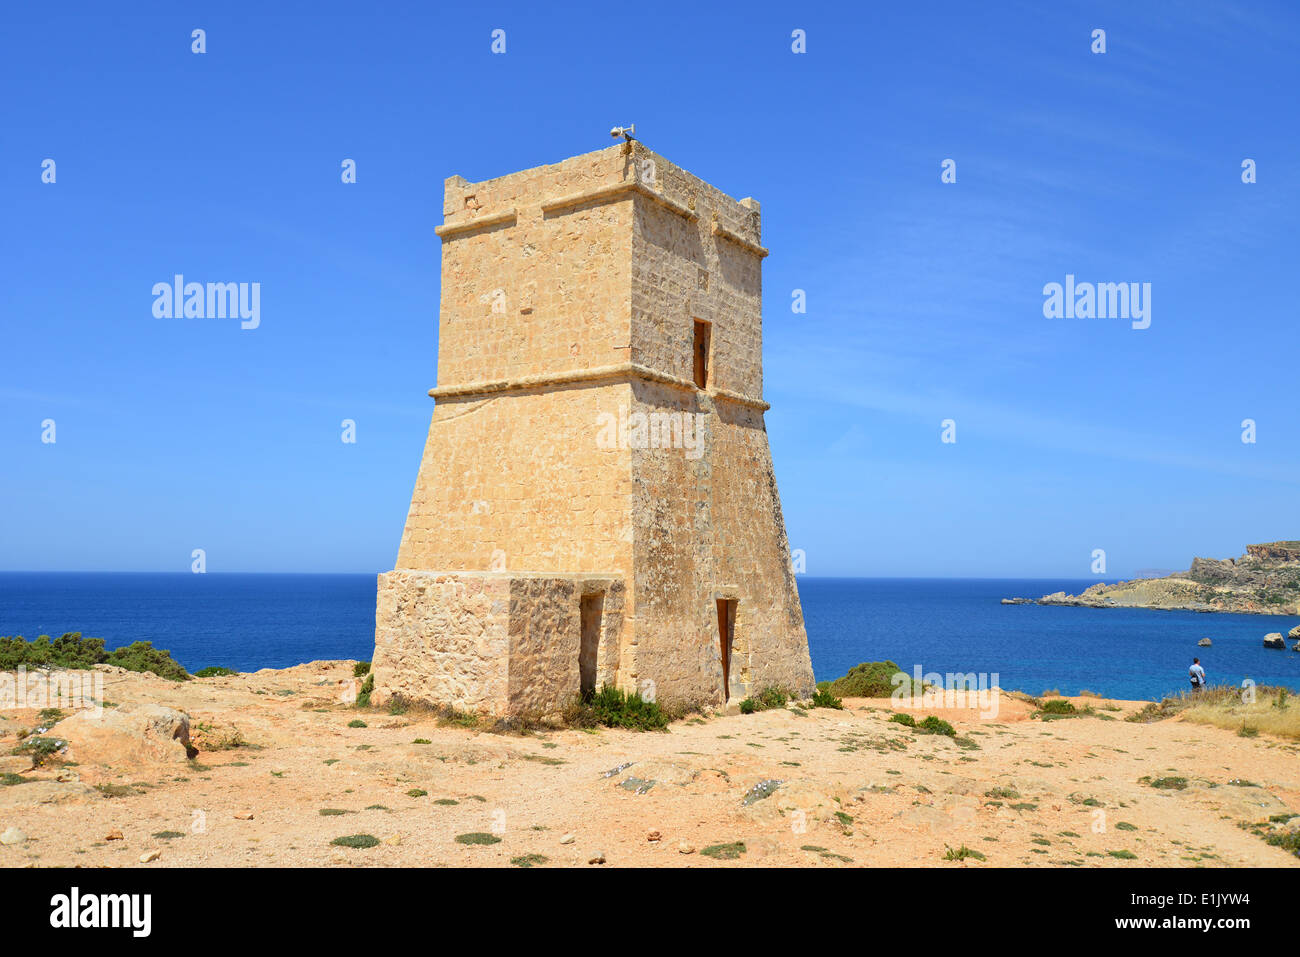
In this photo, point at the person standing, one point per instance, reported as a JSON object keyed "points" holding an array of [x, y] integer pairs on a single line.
{"points": [[1197, 674]]}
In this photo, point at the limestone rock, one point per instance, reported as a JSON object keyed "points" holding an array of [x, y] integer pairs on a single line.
{"points": [[685, 848], [12, 836], [568, 839], [36, 793], [1274, 640], [1294, 634], [598, 857], [654, 837], [1204, 643], [131, 734], [113, 835], [149, 856]]}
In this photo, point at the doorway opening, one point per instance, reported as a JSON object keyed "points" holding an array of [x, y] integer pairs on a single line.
{"points": [[591, 608], [726, 633]]}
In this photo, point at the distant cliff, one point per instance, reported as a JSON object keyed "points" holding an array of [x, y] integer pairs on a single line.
{"points": [[1264, 581]]}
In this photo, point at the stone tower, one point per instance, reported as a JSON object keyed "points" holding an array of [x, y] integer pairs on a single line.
{"points": [[596, 502]]}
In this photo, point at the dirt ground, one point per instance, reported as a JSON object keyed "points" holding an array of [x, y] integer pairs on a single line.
{"points": [[819, 788]]}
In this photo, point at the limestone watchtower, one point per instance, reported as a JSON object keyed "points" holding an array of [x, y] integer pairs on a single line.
{"points": [[596, 503]]}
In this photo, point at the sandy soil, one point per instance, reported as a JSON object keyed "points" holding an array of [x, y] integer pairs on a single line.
{"points": [[855, 789]]}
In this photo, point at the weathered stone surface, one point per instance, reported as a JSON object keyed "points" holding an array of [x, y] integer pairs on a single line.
{"points": [[37, 793], [572, 454], [1274, 640], [1205, 643], [131, 734]]}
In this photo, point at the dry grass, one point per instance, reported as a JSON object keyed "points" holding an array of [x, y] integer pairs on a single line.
{"points": [[1274, 711]]}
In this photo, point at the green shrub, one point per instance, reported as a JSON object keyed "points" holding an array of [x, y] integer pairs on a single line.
{"points": [[357, 723], [903, 718], [961, 853], [770, 697], [1057, 706], [367, 686], [360, 668], [1168, 783], [873, 679], [725, 852], [215, 671], [529, 860], [933, 725], [73, 651], [356, 840], [143, 656], [40, 748], [614, 708], [823, 698], [477, 837]]}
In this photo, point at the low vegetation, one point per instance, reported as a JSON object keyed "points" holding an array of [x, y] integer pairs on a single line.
{"points": [[614, 708], [872, 679], [215, 671], [1249, 712], [824, 698], [724, 852], [932, 725], [367, 686], [767, 699], [356, 841], [73, 651]]}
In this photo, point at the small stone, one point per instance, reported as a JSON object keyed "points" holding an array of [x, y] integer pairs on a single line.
{"points": [[568, 839], [597, 858], [654, 837], [148, 856], [244, 816], [1204, 643], [12, 836], [113, 835], [394, 840], [685, 848]]}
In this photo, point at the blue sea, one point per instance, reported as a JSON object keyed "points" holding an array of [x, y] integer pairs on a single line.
{"points": [[247, 622]]}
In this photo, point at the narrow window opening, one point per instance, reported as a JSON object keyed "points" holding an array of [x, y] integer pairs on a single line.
{"points": [[702, 335]]}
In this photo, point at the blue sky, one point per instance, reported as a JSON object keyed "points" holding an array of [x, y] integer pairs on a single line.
{"points": [[925, 299]]}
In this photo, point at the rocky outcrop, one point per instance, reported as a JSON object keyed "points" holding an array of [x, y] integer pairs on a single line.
{"points": [[133, 733], [1276, 551], [1264, 581], [1274, 640], [1204, 643]]}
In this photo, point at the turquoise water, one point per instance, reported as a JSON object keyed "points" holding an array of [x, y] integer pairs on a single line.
{"points": [[943, 625]]}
